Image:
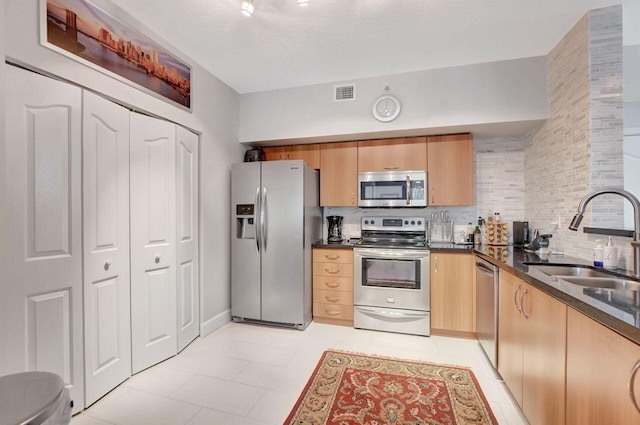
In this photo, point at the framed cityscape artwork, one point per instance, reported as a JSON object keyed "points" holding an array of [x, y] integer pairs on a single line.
{"points": [[101, 36]]}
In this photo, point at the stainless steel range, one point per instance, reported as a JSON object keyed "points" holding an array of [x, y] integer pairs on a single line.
{"points": [[391, 276]]}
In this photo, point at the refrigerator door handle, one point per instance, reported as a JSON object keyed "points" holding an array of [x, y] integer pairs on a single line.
{"points": [[264, 219], [257, 215]]}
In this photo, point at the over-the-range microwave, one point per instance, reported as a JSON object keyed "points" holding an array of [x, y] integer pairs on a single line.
{"points": [[392, 189]]}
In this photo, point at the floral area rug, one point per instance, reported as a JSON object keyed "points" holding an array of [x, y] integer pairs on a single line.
{"points": [[348, 388]]}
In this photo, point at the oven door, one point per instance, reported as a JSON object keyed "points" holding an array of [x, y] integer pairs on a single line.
{"points": [[392, 189], [392, 278]]}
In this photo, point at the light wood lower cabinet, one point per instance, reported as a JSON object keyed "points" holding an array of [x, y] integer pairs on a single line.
{"points": [[532, 348], [452, 293], [333, 286], [599, 367]]}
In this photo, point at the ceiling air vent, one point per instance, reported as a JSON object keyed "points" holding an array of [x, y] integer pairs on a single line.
{"points": [[344, 93]]}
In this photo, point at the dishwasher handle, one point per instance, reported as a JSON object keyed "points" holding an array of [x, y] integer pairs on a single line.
{"points": [[484, 269]]}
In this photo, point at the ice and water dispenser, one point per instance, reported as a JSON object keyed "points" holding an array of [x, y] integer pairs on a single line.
{"points": [[245, 226]]}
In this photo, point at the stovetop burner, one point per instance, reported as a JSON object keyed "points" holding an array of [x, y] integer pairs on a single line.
{"points": [[393, 232]]}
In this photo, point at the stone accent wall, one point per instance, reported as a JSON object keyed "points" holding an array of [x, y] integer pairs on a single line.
{"points": [[579, 148]]}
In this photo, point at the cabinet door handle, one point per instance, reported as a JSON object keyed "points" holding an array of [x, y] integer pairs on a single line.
{"points": [[632, 382], [435, 264], [332, 299], [395, 167], [332, 284], [515, 298], [353, 197], [433, 196], [526, 316], [332, 257], [333, 312], [332, 271]]}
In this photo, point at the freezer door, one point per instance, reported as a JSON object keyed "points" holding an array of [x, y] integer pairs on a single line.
{"points": [[245, 253], [283, 242]]}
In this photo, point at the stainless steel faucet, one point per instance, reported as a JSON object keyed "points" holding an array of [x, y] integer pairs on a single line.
{"points": [[635, 243]]}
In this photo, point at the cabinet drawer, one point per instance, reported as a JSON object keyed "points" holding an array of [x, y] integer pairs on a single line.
{"points": [[332, 297], [332, 269], [333, 311], [333, 283], [333, 255]]}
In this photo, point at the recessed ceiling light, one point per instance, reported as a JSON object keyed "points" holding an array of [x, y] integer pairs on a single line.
{"points": [[303, 2], [247, 7]]}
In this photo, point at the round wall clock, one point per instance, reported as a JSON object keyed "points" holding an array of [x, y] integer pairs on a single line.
{"points": [[386, 108]]}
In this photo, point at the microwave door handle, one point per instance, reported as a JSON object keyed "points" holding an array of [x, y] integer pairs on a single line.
{"points": [[408, 189]]}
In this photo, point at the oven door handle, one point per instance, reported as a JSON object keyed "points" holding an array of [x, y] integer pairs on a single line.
{"points": [[392, 314]]}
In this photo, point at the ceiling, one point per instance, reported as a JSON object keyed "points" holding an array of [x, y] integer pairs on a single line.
{"points": [[283, 45]]}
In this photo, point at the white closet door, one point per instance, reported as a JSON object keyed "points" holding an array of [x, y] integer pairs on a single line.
{"points": [[187, 236], [43, 228], [153, 241], [107, 326]]}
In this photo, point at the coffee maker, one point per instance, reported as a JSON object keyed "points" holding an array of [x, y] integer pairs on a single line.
{"points": [[335, 229]]}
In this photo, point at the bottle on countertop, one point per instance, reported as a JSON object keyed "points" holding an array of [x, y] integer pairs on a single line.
{"points": [[598, 254], [496, 217], [477, 233], [610, 256], [470, 234]]}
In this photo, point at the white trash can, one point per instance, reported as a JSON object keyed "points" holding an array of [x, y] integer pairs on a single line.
{"points": [[34, 398]]}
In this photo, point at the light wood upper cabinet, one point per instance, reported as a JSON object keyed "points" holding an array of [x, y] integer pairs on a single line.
{"points": [[310, 154], [339, 174], [450, 166], [392, 154], [599, 365], [452, 299], [531, 349], [275, 153]]}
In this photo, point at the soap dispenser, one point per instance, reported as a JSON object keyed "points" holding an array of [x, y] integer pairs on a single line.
{"points": [[598, 254], [610, 256]]}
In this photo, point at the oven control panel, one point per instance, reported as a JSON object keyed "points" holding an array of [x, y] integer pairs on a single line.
{"points": [[401, 224]]}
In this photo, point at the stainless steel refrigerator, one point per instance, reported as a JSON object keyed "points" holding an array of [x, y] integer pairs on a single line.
{"points": [[275, 219]]}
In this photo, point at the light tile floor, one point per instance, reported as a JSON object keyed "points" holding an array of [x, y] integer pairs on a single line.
{"points": [[252, 375]]}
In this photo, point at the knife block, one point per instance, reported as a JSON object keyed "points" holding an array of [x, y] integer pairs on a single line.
{"points": [[497, 233]]}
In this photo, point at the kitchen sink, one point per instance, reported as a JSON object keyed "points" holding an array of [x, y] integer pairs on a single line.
{"points": [[604, 283], [575, 271], [586, 276]]}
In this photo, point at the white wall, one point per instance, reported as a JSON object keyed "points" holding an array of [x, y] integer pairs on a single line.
{"points": [[497, 92], [215, 108], [4, 321], [631, 73]]}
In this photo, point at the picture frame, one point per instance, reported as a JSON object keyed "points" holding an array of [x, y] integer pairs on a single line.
{"points": [[103, 37]]}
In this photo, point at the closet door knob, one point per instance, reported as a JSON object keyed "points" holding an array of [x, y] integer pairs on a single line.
{"points": [[157, 260], [107, 264]]}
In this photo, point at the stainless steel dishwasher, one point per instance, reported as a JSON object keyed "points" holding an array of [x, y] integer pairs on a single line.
{"points": [[487, 308]]}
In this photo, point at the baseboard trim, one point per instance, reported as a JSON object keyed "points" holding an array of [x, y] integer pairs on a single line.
{"points": [[454, 334], [215, 322]]}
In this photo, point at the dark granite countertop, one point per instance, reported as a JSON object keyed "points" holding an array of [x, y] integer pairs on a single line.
{"points": [[612, 308], [344, 245]]}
